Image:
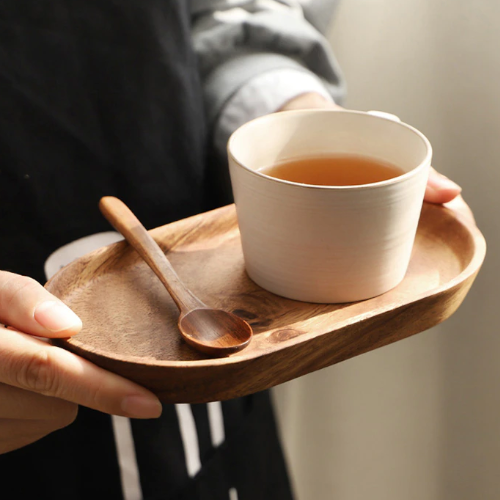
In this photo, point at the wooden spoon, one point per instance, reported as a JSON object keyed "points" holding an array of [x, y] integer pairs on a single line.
{"points": [[211, 331]]}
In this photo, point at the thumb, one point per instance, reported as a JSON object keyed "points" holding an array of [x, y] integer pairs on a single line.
{"points": [[26, 306], [440, 189]]}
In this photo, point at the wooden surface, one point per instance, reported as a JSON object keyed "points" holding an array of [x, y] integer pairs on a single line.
{"points": [[211, 331], [130, 321]]}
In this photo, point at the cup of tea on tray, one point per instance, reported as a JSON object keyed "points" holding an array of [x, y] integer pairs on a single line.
{"points": [[328, 201]]}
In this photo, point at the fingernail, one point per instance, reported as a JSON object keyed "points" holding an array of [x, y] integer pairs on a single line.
{"points": [[141, 407], [443, 182], [57, 317], [449, 184]]}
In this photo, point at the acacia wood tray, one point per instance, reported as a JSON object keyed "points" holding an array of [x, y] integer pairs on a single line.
{"points": [[130, 320]]}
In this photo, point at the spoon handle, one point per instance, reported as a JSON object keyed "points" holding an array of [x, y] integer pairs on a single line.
{"points": [[129, 226]]}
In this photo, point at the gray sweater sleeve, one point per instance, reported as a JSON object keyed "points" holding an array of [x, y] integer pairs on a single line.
{"points": [[237, 40]]}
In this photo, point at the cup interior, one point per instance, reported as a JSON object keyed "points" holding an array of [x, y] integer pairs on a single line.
{"points": [[278, 137]]}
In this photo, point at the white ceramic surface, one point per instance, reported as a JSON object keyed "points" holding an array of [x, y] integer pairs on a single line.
{"points": [[327, 244]]}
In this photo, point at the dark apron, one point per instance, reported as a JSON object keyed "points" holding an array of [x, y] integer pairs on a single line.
{"points": [[102, 97], [97, 97]]}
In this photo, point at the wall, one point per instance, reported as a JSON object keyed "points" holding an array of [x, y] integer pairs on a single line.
{"points": [[420, 419]]}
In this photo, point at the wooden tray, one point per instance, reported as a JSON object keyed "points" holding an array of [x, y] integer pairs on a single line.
{"points": [[130, 321]]}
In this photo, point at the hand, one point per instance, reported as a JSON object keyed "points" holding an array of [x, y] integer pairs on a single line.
{"points": [[440, 189], [309, 100], [444, 191], [41, 385]]}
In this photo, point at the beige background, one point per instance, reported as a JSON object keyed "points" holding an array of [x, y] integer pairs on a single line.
{"points": [[418, 420]]}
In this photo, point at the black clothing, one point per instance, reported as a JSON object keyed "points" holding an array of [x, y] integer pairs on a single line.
{"points": [[102, 97]]}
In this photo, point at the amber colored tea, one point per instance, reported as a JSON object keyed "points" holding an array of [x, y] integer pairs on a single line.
{"points": [[338, 170]]}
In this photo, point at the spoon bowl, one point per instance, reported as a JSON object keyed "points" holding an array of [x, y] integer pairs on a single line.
{"points": [[212, 331], [221, 331]]}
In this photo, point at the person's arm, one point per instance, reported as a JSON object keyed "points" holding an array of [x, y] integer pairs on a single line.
{"points": [[255, 55], [261, 56]]}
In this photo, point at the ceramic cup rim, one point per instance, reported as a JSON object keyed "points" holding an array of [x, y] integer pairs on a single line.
{"points": [[359, 187]]}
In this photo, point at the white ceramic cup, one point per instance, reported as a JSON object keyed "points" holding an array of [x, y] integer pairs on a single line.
{"points": [[327, 244]]}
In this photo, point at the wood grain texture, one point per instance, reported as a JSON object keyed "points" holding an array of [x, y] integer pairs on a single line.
{"points": [[211, 331], [127, 224], [130, 321]]}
